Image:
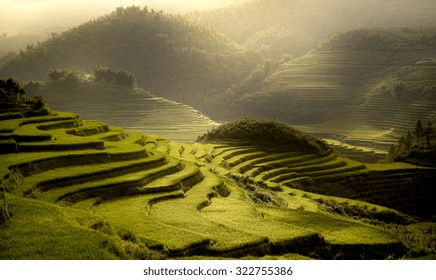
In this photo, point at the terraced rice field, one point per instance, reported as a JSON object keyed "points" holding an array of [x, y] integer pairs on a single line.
{"points": [[404, 108], [337, 94], [282, 169], [152, 116], [400, 186], [131, 193]]}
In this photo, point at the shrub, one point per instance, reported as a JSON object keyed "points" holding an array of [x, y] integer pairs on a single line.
{"points": [[33, 87], [121, 77], [10, 88]]}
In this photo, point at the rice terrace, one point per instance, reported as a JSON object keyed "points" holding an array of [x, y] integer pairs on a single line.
{"points": [[323, 151]]}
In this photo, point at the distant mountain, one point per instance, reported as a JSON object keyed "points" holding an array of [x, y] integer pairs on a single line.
{"points": [[171, 56], [293, 27], [366, 84], [20, 41]]}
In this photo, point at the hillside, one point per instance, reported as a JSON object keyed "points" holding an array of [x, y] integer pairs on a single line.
{"points": [[79, 189], [366, 86], [171, 56], [129, 108], [293, 27]]}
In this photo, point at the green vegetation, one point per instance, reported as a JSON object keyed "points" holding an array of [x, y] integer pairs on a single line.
{"points": [[105, 193], [413, 149], [265, 133], [121, 77], [15, 104]]}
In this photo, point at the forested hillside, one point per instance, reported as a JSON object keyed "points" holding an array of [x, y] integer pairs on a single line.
{"points": [[278, 27], [170, 56]]}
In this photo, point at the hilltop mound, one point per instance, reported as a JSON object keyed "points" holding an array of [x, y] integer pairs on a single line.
{"points": [[170, 56], [267, 134]]}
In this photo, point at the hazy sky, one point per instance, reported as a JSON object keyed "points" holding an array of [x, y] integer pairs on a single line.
{"points": [[26, 15]]}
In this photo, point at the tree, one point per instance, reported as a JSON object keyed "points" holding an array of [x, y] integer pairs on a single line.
{"points": [[408, 140], [428, 133], [121, 77], [33, 87], [392, 152], [419, 132], [10, 89], [56, 75], [125, 78], [103, 74], [401, 145]]}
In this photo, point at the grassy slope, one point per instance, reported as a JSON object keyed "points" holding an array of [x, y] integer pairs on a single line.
{"points": [[112, 215]]}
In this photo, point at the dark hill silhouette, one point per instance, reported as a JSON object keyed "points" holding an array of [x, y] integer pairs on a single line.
{"points": [[170, 55]]}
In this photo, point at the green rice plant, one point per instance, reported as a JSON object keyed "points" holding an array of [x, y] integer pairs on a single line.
{"points": [[249, 164], [43, 231], [335, 231], [267, 174], [61, 145], [284, 177], [107, 188], [10, 115], [288, 161], [130, 212], [13, 124], [185, 179], [189, 217], [340, 170], [89, 128], [336, 163], [31, 133], [241, 158], [62, 177], [59, 124], [4, 210]]}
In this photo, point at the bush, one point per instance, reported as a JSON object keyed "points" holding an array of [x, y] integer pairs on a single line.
{"points": [[121, 77], [33, 87]]}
